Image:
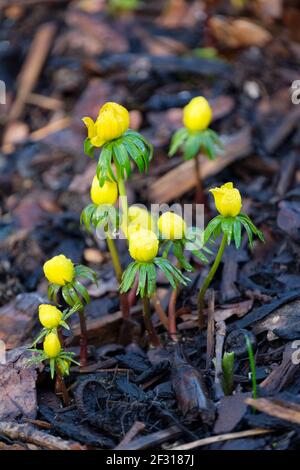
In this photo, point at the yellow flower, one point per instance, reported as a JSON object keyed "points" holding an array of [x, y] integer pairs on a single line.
{"points": [[197, 114], [52, 345], [143, 245], [111, 123], [59, 270], [228, 200], [171, 226], [138, 218], [49, 316], [107, 194]]}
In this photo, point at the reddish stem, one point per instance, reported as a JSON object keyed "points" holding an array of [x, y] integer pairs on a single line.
{"points": [[172, 315], [83, 340]]}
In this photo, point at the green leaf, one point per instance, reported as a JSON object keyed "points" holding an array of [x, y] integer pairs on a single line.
{"points": [[227, 228], [52, 367], [128, 277], [82, 291], [211, 228], [142, 285], [121, 159], [228, 369], [53, 290], [85, 273], [135, 154], [104, 169], [151, 276], [88, 148], [192, 146], [237, 233], [178, 252], [40, 336], [66, 295], [208, 147], [177, 140], [249, 232]]}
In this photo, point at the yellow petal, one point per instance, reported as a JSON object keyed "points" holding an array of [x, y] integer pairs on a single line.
{"points": [[90, 126], [227, 186]]}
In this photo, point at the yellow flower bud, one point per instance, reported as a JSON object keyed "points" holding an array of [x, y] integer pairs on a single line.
{"points": [[143, 245], [228, 200], [138, 218], [52, 345], [49, 316], [171, 226], [59, 270], [197, 114], [111, 123], [106, 194]]}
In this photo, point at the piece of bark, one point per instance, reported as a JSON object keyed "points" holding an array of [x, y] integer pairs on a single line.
{"points": [[142, 63], [32, 67], [240, 309], [18, 318], [285, 373], [281, 131], [17, 386], [289, 166], [284, 322], [182, 179], [238, 32], [154, 439], [190, 389], [29, 434], [277, 408], [230, 412], [288, 218]]}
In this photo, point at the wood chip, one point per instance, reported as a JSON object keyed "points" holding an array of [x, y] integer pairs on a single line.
{"points": [[277, 408], [182, 179]]}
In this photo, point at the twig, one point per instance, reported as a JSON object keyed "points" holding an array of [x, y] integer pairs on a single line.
{"points": [[135, 429], [159, 310], [222, 437], [28, 433], [210, 329], [220, 338], [278, 408], [32, 67]]}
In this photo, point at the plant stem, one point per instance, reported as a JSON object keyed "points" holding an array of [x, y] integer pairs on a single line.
{"points": [[61, 386], [83, 339], [160, 311], [172, 315], [208, 280], [114, 257], [118, 271], [148, 323], [123, 200], [252, 368]]}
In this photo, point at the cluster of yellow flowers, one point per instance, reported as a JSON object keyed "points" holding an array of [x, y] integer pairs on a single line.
{"points": [[150, 238]]}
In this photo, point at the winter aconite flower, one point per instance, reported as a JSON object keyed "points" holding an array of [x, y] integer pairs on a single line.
{"points": [[171, 226], [138, 218], [59, 270], [228, 200], [52, 345], [107, 194], [50, 316], [197, 114], [111, 123], [143, 245]]}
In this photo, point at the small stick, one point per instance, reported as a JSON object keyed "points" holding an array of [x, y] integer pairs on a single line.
{"points": [[135, 429], [32, 67], [28, 433], [83, 339], [160, 311], [220, 338], [210, 329], [223, 437]]}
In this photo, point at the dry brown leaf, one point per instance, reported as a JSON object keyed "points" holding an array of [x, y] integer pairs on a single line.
{"points": [[240, 32]]}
